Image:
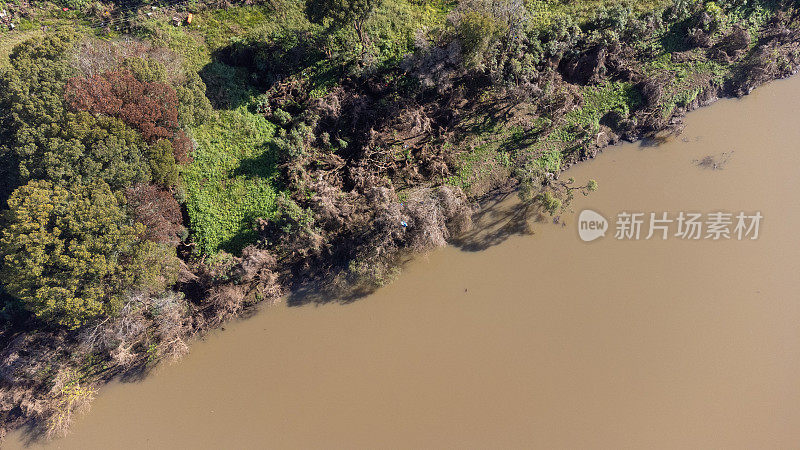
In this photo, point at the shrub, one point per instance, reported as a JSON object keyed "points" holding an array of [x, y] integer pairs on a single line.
{"points": [[476, 31], [51, 143], [145, 69], [194, 108], [63, 251], [68, 397], [153, 267], [232, 180], [81, 148], [163, 169], [482, 24]]}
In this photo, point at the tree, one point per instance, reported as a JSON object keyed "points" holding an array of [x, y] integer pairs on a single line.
{"points": [[47, 141], [64, 251], [194, 108], [33, 87], [548, 202], [150, 107], [157, 210], [342, 13], [83, 149]]}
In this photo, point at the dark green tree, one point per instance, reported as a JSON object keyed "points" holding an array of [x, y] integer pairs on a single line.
{"points": [[338, 14], [46, 140], [162, 163]]}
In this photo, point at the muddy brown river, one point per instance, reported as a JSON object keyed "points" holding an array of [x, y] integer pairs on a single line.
{"points": [[539, 340]]}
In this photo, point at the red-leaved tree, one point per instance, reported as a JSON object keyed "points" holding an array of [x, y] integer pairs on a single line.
{"points": [[182, 146], [150, 107], [158, 210]]}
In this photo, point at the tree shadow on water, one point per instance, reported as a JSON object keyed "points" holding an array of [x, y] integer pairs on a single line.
{"points": [[36, 431], [653, 142], [335, 286], [317, 293], [499, 218]]}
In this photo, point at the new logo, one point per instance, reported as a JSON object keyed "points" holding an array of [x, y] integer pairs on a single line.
{"points": [[591, 225]]}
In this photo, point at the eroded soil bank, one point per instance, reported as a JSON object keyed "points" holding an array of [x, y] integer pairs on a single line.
{"points": [[513, 340]]}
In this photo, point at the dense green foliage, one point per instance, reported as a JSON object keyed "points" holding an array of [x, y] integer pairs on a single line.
{"points": [[53, 143], [234, 178], [70, 250], [64, 251], [232, 181]]}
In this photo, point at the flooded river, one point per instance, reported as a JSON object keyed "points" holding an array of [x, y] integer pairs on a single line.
{"points": [[539, 340]]}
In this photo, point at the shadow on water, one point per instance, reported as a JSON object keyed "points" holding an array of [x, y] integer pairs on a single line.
{"points": [[34, 432], [655, 141], [318, 293], [330, 288], [498, 219]]}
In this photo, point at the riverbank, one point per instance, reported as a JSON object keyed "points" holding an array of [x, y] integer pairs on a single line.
{"points": [[536, 341], [389, 160]]}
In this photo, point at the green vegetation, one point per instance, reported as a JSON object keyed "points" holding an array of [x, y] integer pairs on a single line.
{"points": [[63, 251], [69, 249], [232, 181], [159, 175], [234, 177], [609, 97], [285, 100]]}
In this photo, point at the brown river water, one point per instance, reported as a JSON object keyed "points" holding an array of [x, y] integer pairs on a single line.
{"points": [[540, 340]]}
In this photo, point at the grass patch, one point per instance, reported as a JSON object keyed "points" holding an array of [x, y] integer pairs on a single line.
{"points": [[9, 40], [232, 180], [598, 101], [478, 167]]}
